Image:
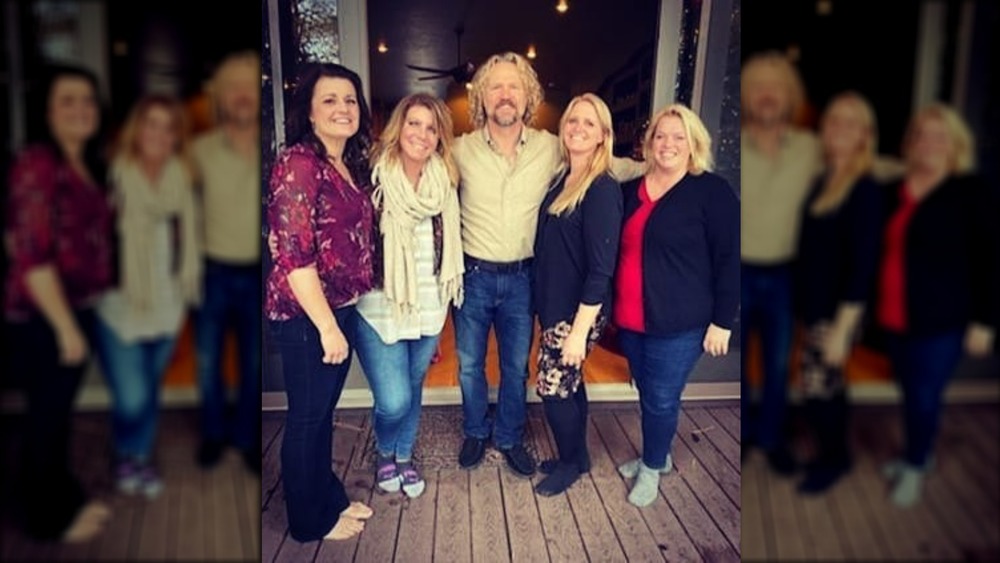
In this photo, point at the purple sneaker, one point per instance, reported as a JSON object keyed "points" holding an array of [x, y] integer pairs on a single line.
{"points": [[127, 477], [387, 475], [151, 484], [413, 483]]}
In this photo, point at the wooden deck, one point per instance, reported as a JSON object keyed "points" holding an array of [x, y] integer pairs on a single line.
{"points": [[201, 515], [957, 519], [489, 514]]}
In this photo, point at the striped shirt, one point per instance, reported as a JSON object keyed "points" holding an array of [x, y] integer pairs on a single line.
{"points": [[428, 320]]}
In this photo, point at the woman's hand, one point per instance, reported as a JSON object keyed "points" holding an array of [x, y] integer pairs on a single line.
{"points": [[73, 348], [836, 346], [574, 349], [979, 340], [334, 344], [716, 341]]}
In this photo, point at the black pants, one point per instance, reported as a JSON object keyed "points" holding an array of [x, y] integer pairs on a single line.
{"points": [[568, 420], [826, 408], [50, 495], [314, 496]]}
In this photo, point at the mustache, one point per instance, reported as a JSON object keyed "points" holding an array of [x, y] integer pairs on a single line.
{"points": [[502, 103]]}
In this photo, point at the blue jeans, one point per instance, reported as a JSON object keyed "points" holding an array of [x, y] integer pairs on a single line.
{"points": [[134, 371], [660, 367], [923, 365], [766, 293], [396, 374], [314, 496], [232, 299], [501, 300]]}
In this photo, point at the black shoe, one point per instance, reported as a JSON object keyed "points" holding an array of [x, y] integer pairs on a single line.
{"points": [[821, 476], [252, 459], [562, 478], [549, 465], [209, 453], [781, 461], [519, 461], [473, 450]]}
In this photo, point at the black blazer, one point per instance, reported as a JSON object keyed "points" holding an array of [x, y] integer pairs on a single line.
{"points": [[952, 256], [690, 255]]}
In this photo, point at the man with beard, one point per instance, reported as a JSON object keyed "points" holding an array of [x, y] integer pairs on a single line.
{"points": [[228, 159], [506, 167], [779, 162]]}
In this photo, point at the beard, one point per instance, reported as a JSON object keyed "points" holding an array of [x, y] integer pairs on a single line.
{"points": [[503, 120]]}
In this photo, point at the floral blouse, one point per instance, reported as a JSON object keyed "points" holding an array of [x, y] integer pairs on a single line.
{"points": [[319, 220], [55, 217]]}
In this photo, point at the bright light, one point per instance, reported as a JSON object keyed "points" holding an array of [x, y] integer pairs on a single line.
{"points": [[562, 6], [382, 47], [531, 52]]}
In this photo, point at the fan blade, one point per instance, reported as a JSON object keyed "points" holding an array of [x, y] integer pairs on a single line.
{"points": [[439, 77], [428, 69]]}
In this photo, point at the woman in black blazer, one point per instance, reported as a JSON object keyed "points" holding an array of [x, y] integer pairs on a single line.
{"points": [[576, 246], [677, 281], [937, 279], [834, 276]]}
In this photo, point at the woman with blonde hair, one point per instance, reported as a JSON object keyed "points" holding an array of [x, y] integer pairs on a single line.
{"points": [[837, 261], [677, 282], [576, 247], [937, 279], [418, 269], [160, 276]]}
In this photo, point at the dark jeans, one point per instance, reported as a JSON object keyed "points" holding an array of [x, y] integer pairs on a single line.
{"points": [[660, 367], [232, 299], [50, 494], [314, 496], [766, 294], [501, 300], [923, 365]]}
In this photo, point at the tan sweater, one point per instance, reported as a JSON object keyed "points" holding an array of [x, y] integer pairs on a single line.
{"points": [[772, 193], [230, 200]]}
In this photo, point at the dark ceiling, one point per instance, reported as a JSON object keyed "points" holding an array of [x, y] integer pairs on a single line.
{"points": [[576, 50]]}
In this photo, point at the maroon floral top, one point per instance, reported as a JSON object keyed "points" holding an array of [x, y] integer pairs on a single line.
{"points": [[318, 219], [55, 217]]}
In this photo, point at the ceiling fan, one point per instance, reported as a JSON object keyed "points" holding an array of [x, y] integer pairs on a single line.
{"points": [[461, 73]]}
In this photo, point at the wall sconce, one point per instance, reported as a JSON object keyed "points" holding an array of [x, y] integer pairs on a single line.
{"points": [[382, 47], [562, 6], [531, 52]]}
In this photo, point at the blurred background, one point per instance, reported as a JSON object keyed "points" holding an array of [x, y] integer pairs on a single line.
{"points": [[134, 48], [901, 56]]}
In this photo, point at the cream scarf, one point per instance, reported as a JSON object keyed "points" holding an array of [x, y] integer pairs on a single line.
{"points": [[403, 209], [140, 205]]}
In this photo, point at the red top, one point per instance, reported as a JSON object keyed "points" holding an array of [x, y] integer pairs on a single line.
{"points": [[892, 278], [628, 312], [55, 217], [320, 220]]}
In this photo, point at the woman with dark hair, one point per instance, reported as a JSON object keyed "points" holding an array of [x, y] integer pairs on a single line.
{"points": [[58, 242], [320, 212]]}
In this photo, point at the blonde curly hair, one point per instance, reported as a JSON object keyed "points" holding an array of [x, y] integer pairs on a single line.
{"points": [[533, 88]]}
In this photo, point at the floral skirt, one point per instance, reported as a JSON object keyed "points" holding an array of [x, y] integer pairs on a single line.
{"points": [[554, 378], [818, 380]]}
